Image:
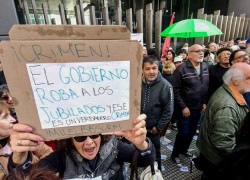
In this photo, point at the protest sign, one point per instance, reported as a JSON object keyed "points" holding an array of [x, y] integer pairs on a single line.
{"points": [[73, 80]]}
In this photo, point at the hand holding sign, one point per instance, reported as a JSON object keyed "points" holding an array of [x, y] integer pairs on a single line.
{"points": [[86, 81], [138, 134], [22, 141]]}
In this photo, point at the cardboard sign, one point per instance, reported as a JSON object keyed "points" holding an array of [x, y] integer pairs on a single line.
{"points": [[73, 80]]}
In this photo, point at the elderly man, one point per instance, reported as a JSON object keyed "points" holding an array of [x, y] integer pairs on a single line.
{"points": [[239, 56], [157, 102], [224, 117], [216, 72], [191, 81]]}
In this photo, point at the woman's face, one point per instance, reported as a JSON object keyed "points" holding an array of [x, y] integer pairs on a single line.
{"points": [[88, 148], [6, 124], [169, 55], [7, 99]]}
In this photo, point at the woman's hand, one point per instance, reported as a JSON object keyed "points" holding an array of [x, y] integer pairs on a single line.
{"points": [[138, 134], [22, 141]]}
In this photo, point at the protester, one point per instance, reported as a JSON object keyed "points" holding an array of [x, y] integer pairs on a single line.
{"points": [[6, 97], [230, 43], [6, 126], [35, 173], [156, 102], [216, 72], [223, 120], [212, 48], [178, 61], [190, 91], [85, 156], [237, 164], [242, 45], [221, 45], [152, 52], [170, 55], [207, 59], [185, 47], [238, 56], [167, 73], [237, 40], [183, 53]]}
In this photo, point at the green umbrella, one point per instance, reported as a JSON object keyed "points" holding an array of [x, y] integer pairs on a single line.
{"points": [[190, 28]]}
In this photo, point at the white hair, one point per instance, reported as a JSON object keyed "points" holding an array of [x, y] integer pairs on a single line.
{"points": [[232, 73]]}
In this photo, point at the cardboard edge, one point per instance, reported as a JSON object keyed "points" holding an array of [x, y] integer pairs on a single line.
{"points": [[68, 32]]}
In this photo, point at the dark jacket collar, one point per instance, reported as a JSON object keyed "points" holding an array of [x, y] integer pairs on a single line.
{"points": [[202, 65], [159, 77]]}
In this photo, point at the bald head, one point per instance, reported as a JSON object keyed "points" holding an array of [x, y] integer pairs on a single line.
{"points": [[195, 53], [194, 47]]}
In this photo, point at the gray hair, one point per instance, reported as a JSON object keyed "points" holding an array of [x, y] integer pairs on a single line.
{"points": [[232, 73]]}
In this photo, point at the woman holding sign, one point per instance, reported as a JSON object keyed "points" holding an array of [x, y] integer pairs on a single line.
{"points": [[92, 156]]}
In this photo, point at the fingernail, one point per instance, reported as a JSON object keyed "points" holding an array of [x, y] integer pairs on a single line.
{"points": [[37, 147], [30, 129], [41, 140]]}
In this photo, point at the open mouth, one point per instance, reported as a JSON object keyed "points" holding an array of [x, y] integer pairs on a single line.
{"points": [[89, 151]]}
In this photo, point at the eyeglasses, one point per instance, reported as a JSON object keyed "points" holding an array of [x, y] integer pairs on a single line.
{"points": [[83, 138], [242, 56], [224, 55], [198, 51], [5, 98]]}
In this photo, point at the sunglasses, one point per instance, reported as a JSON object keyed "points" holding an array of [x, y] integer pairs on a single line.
{"points": [[83, 138], [5, 98]]}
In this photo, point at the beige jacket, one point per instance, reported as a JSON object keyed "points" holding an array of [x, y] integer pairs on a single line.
{"points": [[42, 152]]}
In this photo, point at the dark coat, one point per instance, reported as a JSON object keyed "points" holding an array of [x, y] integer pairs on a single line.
{"points": [[191, 89], [157, 102]]}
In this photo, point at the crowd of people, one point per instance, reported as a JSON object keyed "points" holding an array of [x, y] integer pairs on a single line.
{"points": [[195, 86], [210, 87]]}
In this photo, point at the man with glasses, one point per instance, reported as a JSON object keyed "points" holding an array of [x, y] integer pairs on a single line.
{"points": [[191, 81], [216, 72], [239, 56]]}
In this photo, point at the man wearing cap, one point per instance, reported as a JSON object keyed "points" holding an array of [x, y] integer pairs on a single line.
{"points": [[216, 72], [178, 60], [191, 81], [226, 110]]}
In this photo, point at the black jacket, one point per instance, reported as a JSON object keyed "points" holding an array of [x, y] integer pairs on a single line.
{"points": [[215, 78], [157, 102], [109, 156], [191, 89]]}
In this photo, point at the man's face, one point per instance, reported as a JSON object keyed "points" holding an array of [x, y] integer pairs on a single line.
{"points": [[150, 71], [244, 85], [223, 57], [212, 47], [242, 44], [240, 56], [196, 53]]}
